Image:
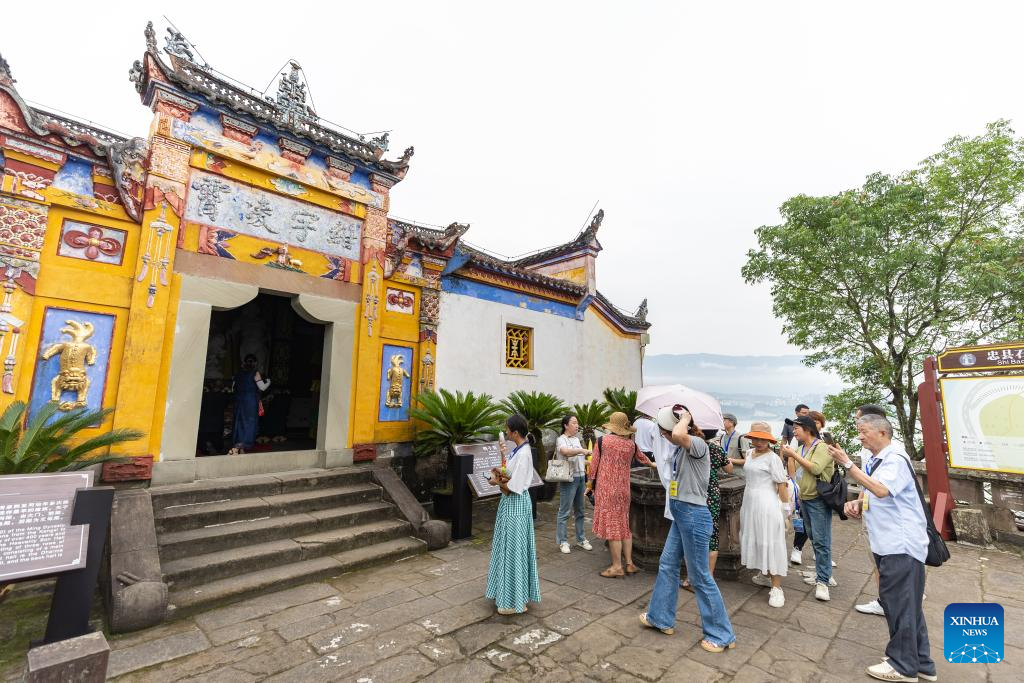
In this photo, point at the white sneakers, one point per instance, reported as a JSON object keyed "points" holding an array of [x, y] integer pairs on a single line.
{"points": [[796, 557], [883, 671], [761, 580], [811, 578], [776, 598], [873, 607], [585, 544], [821, 592]]}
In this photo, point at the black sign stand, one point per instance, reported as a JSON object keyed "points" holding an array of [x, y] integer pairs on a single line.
{"points": [[72, 596], [462, 496]]}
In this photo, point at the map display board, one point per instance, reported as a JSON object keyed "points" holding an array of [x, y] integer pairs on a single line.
{"points": [[984, 419]]}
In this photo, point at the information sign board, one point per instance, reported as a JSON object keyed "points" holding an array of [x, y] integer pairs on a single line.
{"points": [[36, 536], [486, 456]]}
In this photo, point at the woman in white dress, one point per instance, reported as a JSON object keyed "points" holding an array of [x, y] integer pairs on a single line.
{"points": [[763, 514]]}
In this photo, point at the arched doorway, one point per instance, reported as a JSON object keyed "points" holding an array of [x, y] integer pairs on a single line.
{"points": [[285, 350], [207, 305]]}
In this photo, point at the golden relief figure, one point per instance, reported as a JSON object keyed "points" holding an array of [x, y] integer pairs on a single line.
{"points": [[396, 374], [74, 356]]}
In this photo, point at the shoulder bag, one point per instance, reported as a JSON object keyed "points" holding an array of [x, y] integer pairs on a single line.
{"points": [[559, 470], [938, 553], [834, 491]]}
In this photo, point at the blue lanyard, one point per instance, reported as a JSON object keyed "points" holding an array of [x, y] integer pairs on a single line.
{"points": [[728, 441], [514, 451], [805, 449], [796, 496], [675, 462]]}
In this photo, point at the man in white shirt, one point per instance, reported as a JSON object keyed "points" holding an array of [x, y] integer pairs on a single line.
{"points": [[646, 433], [898, 535]]}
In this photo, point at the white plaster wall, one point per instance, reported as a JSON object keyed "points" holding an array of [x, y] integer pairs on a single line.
{"points": [[575, 360]]}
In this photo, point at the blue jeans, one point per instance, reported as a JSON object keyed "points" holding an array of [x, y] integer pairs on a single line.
{"points": [[688, 539], [570, 499], [818, 525]]}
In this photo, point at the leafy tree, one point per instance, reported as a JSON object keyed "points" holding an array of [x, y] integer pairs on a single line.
{"points": [[622, 401], [46, 444], [542, 411], [450, 419], [874, 279], [591, 416], [839, 410]]}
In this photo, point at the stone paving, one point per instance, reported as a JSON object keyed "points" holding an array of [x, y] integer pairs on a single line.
{"points": [[425, 618]]}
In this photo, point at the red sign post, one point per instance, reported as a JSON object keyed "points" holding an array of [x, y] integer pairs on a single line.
{"points": [[935, 449]]}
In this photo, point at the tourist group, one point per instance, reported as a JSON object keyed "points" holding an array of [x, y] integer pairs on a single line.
{"points": [[788, 480]]}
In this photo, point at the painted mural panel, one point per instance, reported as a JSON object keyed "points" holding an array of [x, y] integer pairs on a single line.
{"points": [[399, 301], [395, 383], [75, 176], [74, 353], [222, 203], [263, 153], [91, 242]]}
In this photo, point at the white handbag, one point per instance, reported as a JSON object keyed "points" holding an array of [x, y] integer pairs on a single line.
{"points": [[559, 471]]}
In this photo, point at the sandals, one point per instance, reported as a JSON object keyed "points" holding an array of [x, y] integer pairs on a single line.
{"points": [[687, 586], [631, 569], [715, 647], [643, 620], [612, 574]]}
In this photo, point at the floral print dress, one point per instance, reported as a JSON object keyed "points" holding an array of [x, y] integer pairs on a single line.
{"points": [[718, 460]]}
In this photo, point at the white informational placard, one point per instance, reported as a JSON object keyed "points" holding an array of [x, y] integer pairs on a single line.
{"points": [[984, 419]]}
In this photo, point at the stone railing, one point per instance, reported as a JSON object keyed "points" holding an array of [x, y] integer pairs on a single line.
{"points": [[990, 505]]}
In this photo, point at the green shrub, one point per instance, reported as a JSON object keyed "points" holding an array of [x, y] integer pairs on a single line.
{"points": [[46, 446], [450, 419]]}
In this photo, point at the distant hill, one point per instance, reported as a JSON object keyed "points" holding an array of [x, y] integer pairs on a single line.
{"points": [[776, 377]]}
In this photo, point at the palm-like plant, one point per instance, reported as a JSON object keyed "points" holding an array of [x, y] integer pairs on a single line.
{"points": [[450, 419], [622, 401], [591, 416], [45, 444], [542, 411]]}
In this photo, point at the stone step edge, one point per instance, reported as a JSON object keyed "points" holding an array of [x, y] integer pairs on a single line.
{"points": [[278, 527], [190, 509], [225, 591], [257, 485], [387, 529], [219, 513]]}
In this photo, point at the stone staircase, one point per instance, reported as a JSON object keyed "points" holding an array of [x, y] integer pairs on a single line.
{"points": [[222, 540]]}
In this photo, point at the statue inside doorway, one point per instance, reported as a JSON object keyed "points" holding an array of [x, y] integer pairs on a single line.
{"points": [[396, 375]]}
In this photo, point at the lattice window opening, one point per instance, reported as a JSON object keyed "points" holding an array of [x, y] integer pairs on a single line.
{"points": [[518, 347]]}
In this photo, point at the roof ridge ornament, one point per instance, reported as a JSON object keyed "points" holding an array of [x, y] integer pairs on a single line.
{"points": [[150, 38], [177, 44], [641, 312], [5, 73], [291, 94]]}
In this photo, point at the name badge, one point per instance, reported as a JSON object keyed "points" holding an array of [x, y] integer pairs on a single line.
{"points": [[864, 506], [673, 488]]}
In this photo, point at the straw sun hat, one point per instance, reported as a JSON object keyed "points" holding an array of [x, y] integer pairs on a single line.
{"points": [[760, 430], [618, 424]]}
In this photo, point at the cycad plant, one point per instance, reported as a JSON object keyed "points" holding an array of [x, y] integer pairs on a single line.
{"points": [[622, 401], [450, 419], [46, 444], [541, 410], [591, 416]]}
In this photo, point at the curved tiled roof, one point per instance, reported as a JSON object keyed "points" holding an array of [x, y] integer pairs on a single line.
{"points": [[301, 121]]}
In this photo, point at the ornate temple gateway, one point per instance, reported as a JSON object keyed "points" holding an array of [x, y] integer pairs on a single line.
{"points": [[138, 274]]}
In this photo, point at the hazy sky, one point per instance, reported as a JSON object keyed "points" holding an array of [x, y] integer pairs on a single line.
{"points": [[690, 123]]}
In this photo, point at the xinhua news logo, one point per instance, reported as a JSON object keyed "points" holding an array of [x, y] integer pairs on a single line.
{"points": [[973, 633]]}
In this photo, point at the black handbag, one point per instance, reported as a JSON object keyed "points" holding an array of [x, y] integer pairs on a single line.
{"points": [[938, 553], [834, 492]]}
